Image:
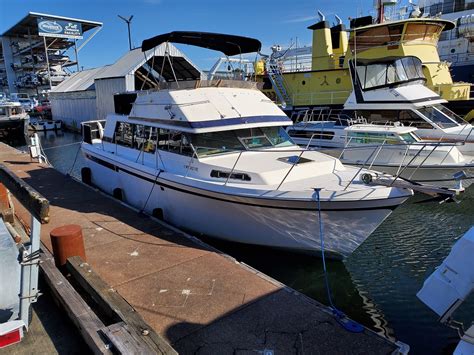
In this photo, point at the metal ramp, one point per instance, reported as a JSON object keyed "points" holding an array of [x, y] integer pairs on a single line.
{"points": [[278, 83], [19, 264], [10, 275]]}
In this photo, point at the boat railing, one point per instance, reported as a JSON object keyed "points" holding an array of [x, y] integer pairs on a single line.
{"points": [[296, 64], [321, 97], [326, 114], [376, 149]]}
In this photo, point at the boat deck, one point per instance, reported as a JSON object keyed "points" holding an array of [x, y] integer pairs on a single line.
{"points": [[197, 298]]}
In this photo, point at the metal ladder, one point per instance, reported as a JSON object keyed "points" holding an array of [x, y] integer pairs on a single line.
{"points": [[276, 78]]}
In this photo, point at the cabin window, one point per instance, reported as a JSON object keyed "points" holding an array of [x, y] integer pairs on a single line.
{"points": [[145, 138], [277, 136], [438, 117], [216, 143], [295, 133], [174, 142], [124, 134], [375, 36], [212, 143], [373, 75], [450, 113], [3, 111], [405, 117], [373, 138], [423, 32], [408, 137], [233, 176]]}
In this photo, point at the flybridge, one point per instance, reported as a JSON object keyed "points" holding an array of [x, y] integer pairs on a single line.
{"points": [[208, 108]]}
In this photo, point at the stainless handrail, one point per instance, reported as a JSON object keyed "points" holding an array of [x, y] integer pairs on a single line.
{"points": [[406, 166], [376, 155], [291, 168], [419, 165], [232, 171]]}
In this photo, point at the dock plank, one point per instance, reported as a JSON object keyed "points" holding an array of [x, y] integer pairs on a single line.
{"points": [[79, 312], [115, 306], [124, 340]]}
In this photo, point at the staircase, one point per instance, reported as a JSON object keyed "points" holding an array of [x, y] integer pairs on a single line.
{"points": [[278, 83]]}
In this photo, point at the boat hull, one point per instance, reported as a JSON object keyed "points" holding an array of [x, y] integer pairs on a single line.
{"points": [[38, 125], [346, 224]]}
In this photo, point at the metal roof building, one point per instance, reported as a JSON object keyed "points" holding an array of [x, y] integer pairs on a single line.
{"points": [[89, 94]]}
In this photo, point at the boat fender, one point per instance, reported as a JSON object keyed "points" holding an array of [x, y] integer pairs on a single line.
{"points": [[86, 176]]}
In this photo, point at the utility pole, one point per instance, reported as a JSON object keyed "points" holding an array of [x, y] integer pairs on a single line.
{"points": [[128, 26]]}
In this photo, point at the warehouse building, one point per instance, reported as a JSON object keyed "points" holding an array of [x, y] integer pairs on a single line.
{"points": [[88, 95]]}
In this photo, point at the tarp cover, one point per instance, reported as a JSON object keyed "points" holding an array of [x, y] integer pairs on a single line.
{"points": [[227, 44]]}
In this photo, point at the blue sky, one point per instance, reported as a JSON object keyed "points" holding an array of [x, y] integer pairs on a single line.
{"points": [[272, 22]]}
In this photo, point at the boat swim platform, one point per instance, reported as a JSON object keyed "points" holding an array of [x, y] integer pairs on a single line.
{"points": [[197, 298]]}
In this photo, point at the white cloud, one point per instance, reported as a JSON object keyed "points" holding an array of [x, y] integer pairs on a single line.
{"points": [[300, 19]]}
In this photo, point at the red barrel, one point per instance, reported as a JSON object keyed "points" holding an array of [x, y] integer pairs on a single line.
{"points": [[67, 241]]}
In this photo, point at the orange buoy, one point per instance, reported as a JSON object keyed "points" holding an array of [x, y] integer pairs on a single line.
{"points": [[67, 241]]}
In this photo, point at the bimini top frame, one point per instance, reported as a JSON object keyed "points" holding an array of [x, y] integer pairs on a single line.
{"points": [[228, 44]]}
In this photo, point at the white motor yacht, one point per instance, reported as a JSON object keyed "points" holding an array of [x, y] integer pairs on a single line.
{"points": [[393, 90], [386, 91], [13, 121], [213, 157]]}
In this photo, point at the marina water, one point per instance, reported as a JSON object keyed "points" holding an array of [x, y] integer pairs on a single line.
{"points": [[377, 284]]}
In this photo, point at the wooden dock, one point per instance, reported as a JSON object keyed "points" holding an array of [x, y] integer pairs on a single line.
{"points": [[198, 299]]}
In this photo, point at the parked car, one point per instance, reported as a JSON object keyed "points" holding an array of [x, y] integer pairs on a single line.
{"points": [[43, 109]]}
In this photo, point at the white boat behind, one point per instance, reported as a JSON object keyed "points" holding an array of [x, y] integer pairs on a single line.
{"points": [[392, 149], [393, 90], [45, 125]]}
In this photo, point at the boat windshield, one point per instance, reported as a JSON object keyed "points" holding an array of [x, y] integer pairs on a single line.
{"points": [[389, 72], [409, 137], [441, 116], [206, 144]]}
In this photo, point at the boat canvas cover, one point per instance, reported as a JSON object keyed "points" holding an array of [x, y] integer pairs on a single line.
{"points": [[228, 44]]}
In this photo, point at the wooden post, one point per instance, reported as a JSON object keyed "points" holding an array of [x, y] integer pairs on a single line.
{"points": [[5, 208], [67, 241]]}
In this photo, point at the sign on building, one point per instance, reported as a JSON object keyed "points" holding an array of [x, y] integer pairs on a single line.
{"points": [[59, 28]]}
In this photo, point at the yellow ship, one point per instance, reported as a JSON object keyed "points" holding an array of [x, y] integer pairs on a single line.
{"points": [[324, 80]]}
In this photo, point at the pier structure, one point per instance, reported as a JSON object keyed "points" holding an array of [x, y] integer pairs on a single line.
{"points": [[194, 297]]}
